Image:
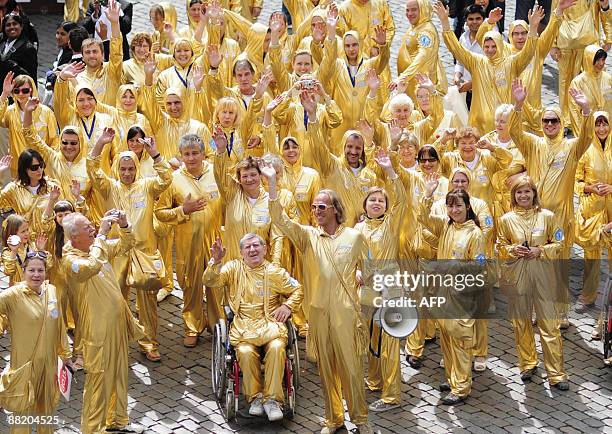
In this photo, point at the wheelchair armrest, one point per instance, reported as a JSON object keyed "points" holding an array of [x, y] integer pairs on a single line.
{"points": [[229, 315]]}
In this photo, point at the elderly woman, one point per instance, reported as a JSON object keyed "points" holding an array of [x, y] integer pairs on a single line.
{"points": [[38, 338]]}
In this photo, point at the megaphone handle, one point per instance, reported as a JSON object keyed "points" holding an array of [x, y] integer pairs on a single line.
{"points": [[374, 353]]}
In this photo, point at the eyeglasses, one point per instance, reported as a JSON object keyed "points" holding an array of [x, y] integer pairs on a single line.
{"points": [[70, 142], [31, 255], [35, 167], [320, 206], [22, 91], [427, 160], [552, 121]]}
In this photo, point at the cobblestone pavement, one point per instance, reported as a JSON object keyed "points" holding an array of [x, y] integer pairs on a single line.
{"points": [[175, 396]]}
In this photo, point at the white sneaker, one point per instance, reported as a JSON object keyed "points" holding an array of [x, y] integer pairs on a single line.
{"points": [[442, 363], [480, 364], [256, 408], [328, 430], [273, 410], [162, 294], [380, 405]]}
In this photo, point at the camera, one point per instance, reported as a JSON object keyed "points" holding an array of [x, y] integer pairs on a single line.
{"points": [[13, 240], [308, 84], [525, 244]]}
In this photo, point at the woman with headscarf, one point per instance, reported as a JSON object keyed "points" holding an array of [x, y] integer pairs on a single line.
{"points": [[38, 339], [124, 114], [529, 243], [175, 122], [17, 54], [383, 214], [196, 11], [419, 48], [160, 14], [21, 88], [551, 162], [460, 241], [135, 195], [594, 82], [492, 74], [594, 187]]}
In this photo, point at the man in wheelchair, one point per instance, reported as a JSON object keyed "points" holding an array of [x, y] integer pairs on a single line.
{"points": [[255, 290]]}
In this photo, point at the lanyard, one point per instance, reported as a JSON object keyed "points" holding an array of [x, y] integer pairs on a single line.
{"points": [[91, 130], [231, 144], [348, 68], [184, 81], [305, 120]]}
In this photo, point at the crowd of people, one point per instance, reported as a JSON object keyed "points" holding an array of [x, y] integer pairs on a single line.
{"points": [[274, 169]]}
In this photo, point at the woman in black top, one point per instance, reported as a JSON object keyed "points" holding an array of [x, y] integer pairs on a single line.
{"points": [[17, 53]]}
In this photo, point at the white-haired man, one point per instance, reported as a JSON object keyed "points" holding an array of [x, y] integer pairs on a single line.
{"points": [[255, 290], [105, 319]]}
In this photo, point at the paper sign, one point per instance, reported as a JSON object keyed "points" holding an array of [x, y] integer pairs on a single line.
{"points": [[64, 379]]}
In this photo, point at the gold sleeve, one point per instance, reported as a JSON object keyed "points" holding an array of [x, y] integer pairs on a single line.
{"points": [[291, 288], [425, 57], [281, 74], [462, 54], [523, 57], [115, 61], [292, 230], [525, 142], [151, 110], [551, 249], [585, 137], [435, 223], [100, 181], [163, 180], [62, 103], [579, 180], [226, 184], [166, 212], [322, 158], [80, 268]]}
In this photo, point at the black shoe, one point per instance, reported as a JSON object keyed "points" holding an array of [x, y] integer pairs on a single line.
{"points": [[444, 387], [528, 373], [561, 385], [452, 399], [414, 362], [430, 340]]}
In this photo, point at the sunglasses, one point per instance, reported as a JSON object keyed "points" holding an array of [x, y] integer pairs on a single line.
{"points": [[22, 91], [70, 142], [320, 206], [31, 255], [427, 160], [35, 167], [552, 121]]}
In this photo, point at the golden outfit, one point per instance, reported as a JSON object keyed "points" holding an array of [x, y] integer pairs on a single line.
{"points": [[457, 241], [332, 309], [491, 78], [166, 44], [594, 210], [43, 122], [363, 17], [351, 184], [254, 294], [133, 70], [38, 336], [384, 373], [106, 323], [596, 86], [530, 287], [137, 200], [580, 27], [194, 235]]}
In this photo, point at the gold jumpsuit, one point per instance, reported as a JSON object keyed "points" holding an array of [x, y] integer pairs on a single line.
{"points": [[194, 235], [43, 122], [166, 44], [596, 86], [337, 335], [529, 282], [491, 78], [457, 241], [384, 373], [580, 27], [350, 184], [254, 294], [38, 335], [137, 200], [363, 17], [594, 210], [107, 323], [133, 70]]}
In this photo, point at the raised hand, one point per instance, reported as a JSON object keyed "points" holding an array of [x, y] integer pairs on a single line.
{"points": [[276, 102], [110, 218], [31, 105], [277, 25], [366, 129], [41, 242], [150, 65], [395, 131], [75, 188], [425, 83], [442, 12], [150, 146], [217, 251], [580, 99], [214, 56], [519, 92], [156, 47], [253, 142], [263, 83], [308, 101], [113, 11], [535, 16], [380, 35], [198, 77], [220, 139], [8, 85], [122, 219], [565, 4], [71, 70], [431, 183], [268, 171], [332, 19], [107, 136], [448, 134], [485, 144], [495, 15], [383, 160], [5, 162], [372, 80], [192, 205], [54, 194]]}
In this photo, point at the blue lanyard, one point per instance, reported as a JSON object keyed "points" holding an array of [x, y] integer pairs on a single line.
{"points": [[184, 81], [348, 69], [305, 119], [231, 144], [91, 130]]}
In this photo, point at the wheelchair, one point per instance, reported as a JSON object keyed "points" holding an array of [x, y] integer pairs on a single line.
{"points": [[606, 332], [226, 370]]}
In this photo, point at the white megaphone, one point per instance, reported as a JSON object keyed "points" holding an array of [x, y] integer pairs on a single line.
{"points": [[397, 322]]}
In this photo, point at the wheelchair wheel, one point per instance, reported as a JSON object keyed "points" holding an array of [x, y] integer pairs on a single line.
{"points": [[219, 368], [606, 333], [231, 404], [293, 353]]}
